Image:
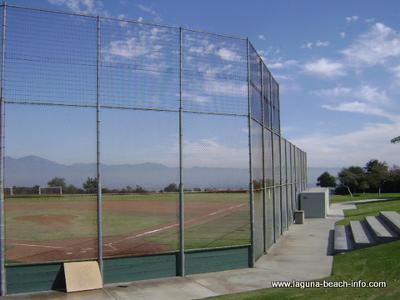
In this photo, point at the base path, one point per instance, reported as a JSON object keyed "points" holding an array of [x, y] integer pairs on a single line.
{"points": [[302, 253]]}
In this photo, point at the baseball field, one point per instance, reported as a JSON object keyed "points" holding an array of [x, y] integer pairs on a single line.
{"points": [[64, 227]]}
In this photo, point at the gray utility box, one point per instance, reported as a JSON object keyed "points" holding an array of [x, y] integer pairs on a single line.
{"points": [[315, 202]]}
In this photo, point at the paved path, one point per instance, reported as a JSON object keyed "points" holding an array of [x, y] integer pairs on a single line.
{"points": [[300, 254], [336, 209]]}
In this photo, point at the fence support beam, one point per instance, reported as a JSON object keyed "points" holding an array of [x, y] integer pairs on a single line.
{"points": [[3, 287], [263, 155], [181, 268], [251, 187], [98, 169]]}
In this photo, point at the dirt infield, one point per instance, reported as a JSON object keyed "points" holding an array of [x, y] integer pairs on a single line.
{"points": [[53, 220], [159, 234]]}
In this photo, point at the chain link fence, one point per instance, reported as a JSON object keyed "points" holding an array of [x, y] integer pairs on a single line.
{"points": [[159, 140]]}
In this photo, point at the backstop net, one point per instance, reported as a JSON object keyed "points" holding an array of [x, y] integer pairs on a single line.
{"points": [[130, 140]]}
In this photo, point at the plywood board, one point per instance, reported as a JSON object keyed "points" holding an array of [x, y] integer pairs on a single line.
{"points": [[81, 276]]}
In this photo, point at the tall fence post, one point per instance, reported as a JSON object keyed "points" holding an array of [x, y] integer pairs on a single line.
{"points": [[181, 268], [98, 168], [2, 149], [263, 156], [271, 115], [251, 187]]}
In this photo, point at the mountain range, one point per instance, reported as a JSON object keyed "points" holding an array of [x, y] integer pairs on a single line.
{"points": [[34, 170]]}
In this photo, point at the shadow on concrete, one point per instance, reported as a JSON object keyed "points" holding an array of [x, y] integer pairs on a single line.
{"points": [[331, 238]]}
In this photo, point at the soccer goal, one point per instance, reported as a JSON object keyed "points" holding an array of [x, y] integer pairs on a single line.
{"points": [[8, 191], [53, 190]]}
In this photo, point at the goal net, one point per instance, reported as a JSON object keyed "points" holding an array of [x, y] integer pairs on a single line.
{"points": [[54, 190]]}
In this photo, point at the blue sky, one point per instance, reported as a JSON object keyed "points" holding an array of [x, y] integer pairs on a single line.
{"points": [[338, 65]]}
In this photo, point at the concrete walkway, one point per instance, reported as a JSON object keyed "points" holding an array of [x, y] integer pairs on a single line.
{"points": [[337, 209], [300, 254]]}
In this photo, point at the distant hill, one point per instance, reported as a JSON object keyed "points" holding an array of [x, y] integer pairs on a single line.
{"points": [[34, 170]]}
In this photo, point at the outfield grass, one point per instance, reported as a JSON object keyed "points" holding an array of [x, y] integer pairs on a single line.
{"points": [[366, 196], [369, 209], [379, 263], [214, 219]]}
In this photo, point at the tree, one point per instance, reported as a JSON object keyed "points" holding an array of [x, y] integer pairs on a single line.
{"points": [[139, 189], [71, 189], [395, 140], [172, 187], [392, 183], [57, 181], [257, 184], [376, 172], [90, 185], [326, 180], [353, 179]]}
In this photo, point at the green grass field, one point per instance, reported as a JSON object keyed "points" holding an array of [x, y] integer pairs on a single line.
{"points": [[356, 197], [369, 209], [379, 263], [211, 220]]}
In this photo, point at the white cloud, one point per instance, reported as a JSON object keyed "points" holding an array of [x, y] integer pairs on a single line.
{"points": [[144, 42], [374, 47], [396, 71], [91, 7], [282, 77], [129, 48], [227, 54], [372, 95], [334, 92], [262, 55], [364, 99], [321, 43], [147, 9], [352, 148], [325, 68], [225, 88], [369, 20], [317, 44], [282, 64], [204, 48], [308, 45], [343, 34], [358, 107], [220, 49], [192, 97], [151, 11], [210, 71], [352, 19], [261, 37], [364, 93]]}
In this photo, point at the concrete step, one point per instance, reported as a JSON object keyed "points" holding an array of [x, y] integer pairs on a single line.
{"points": [[379, 230], [342, 242], [361, 235], [392, 219]]}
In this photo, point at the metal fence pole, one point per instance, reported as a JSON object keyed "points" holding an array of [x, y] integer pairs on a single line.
{"points": [[295, 179], [181, 268], [251, 187], [280, 182], [306, 179], [263, 156], [2, 149], [98, 171], [272, 115]]}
